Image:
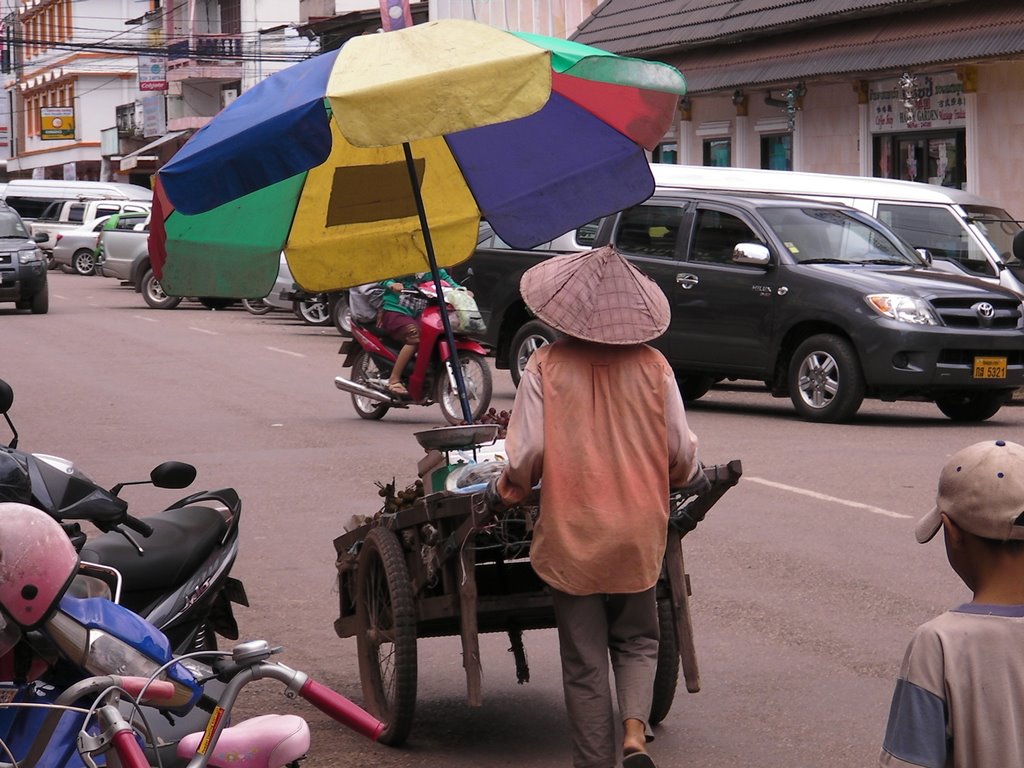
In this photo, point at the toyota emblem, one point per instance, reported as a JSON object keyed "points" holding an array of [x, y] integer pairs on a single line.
{"points": [[985, 310]]}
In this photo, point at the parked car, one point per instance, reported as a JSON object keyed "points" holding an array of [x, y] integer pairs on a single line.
{"points": [[314, 309], [66, 215], [124, 255], [820, 301], [22, 265], [75, 250]]}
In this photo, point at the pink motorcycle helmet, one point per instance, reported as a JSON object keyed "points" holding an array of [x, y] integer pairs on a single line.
{"points": [[37, 564]]}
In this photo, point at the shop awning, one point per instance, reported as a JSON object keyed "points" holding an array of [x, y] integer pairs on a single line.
{"points": [[146, 154]]}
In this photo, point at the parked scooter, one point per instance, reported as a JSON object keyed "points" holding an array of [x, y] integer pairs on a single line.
{"points": [[371, 354], [93, 659], [179, 579]]}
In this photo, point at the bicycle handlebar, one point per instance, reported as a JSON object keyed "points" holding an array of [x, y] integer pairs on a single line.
{"points": [[341, 709]]}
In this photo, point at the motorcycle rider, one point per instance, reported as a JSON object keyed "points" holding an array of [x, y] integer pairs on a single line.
{"points": [[400, 319]]}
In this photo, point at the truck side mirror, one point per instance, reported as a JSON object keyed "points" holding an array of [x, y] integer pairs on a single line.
{"points": [[925, 254], [754, 254]]}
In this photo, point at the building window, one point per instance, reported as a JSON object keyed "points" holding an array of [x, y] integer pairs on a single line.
{"points": [[718, 152], [667, 152], [933, 158], [777, 152]]}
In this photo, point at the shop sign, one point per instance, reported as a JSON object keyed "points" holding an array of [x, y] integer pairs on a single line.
{"points": [[918, 102], [152, 73], [56, 123]]}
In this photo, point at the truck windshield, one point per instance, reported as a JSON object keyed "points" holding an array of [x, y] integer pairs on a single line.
{"points": [[998, 227], [821, 235]]}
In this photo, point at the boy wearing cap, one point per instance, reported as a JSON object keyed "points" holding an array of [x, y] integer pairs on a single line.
{"points": [[959, 699], [598, 416]]}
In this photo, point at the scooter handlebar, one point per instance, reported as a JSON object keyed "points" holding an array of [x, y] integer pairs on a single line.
{"points": [[137, 525], [341, 709]]}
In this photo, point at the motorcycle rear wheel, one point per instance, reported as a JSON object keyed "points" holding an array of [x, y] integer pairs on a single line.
{"points": [[477, 375], [364, 371]]}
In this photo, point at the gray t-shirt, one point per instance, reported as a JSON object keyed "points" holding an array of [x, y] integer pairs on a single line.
{"points": [[959, 699]]}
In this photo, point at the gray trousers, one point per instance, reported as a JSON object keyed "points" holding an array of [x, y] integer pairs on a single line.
{"points": [[590, 628]]}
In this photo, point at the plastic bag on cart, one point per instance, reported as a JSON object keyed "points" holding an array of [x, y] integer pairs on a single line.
{"points": [[473, 477]]}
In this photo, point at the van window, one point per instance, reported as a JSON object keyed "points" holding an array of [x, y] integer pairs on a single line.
{"points": [[940, 231], [650, 230], [717, 235], [998, 227]]}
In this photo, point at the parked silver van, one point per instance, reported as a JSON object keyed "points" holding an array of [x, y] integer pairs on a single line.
{"points": [[963, 233]]}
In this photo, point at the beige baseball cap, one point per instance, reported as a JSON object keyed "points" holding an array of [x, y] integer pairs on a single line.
{"points": [[981, 489], [596, 296]]}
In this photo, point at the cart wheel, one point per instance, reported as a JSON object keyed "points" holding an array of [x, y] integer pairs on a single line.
{"points": [[667, 674], [386, 640]]}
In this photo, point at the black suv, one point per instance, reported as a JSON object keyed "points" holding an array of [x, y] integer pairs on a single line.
{"points": [[819, 301], [22, 265]]}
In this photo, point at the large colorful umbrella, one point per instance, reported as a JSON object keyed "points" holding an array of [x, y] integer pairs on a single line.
{"points": [[538, 135]]}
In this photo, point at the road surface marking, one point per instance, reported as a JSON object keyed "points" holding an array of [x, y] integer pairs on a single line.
{"points": [[286, 352], [147, 319], [825, 497], [203, 330]]}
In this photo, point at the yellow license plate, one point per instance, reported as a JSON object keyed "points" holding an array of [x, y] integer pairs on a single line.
{"points": [[990, 367]]}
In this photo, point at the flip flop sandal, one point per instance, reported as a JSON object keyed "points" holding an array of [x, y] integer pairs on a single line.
{"points": [[398, 388], [638, 760]]}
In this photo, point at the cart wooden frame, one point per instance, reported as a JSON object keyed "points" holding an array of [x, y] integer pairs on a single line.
{"points": [[448, 566]]}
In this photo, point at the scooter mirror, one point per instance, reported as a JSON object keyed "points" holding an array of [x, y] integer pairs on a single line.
{"points": [[6, 396], [173, 474]]}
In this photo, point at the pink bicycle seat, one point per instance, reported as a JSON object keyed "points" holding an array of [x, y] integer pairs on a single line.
{"points": [[267, 741]]}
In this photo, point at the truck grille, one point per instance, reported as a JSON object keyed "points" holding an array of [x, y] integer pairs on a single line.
{"points": [[974, 312], [5, 258]]}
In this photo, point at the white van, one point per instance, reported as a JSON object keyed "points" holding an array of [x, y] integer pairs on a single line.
{"points": [[30, 197], [963, 233]]}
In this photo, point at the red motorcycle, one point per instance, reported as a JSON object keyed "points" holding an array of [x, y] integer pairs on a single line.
{"points": [[430, 378]]}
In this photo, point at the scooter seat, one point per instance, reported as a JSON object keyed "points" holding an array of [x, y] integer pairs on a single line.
{"points": [[267, 741], [182, 539]]}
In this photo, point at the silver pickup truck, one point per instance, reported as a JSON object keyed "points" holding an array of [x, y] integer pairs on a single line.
{"points": [[64, 215]]}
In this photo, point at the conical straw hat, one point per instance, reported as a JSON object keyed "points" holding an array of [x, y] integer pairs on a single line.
{"points": [[596, 296]]}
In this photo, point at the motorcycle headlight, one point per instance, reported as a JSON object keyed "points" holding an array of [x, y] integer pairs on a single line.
{"points": [[29, 256], [903, 309]]}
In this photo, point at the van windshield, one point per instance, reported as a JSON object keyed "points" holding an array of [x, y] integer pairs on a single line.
{"points": [[823, 236], [11, 226], [998, 227]]}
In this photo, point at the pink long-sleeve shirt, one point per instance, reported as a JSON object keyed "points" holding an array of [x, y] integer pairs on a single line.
{"points": [[604, 427]]}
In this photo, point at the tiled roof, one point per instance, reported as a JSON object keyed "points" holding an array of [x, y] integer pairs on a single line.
{"points": [[644, 27], [958, 34]]}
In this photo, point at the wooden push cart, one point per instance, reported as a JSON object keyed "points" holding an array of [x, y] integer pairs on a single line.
{"points": [[448, 566]]}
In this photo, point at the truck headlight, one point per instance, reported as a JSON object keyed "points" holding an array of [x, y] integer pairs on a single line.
{"points": [[30, 255], [903, 309]]}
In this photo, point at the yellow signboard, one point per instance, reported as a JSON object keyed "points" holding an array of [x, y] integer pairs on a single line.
{"points": [[56, 123]]}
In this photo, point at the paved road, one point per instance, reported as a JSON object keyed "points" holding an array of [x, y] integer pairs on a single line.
{"points": [[807, 582]]}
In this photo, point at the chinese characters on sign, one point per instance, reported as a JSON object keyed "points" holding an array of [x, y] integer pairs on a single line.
{"points": [[56, 123], [923, 102]]}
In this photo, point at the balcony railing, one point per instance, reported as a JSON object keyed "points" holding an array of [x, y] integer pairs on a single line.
{"points": [[208, 47]]}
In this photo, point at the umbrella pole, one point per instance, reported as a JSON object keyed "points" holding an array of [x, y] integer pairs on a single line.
{"points": [[453, 359]]}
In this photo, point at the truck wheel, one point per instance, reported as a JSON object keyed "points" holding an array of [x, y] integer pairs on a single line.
{"points": [[84, 262], [340, 314], [695, 387], [41, 301], [154, 294], [971, 406], [825, 380], [528, 340]]}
